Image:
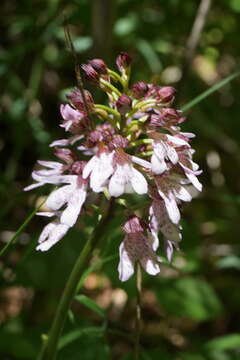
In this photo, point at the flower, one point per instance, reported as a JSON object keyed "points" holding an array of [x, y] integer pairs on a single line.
{"points": [[165, 148], [51, 233], [126, 179], [136, 246], [134, 143], [99, 168], [71, 118]]}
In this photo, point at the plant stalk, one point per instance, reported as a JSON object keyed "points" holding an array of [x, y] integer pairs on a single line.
{"points": [[50, 344]]}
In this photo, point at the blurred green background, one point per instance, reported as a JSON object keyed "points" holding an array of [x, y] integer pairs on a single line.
{"points": [[191, 311]]}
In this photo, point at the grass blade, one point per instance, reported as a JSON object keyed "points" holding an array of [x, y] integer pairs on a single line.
{"points": [[208, 92], [90, 304], [20, 229]]}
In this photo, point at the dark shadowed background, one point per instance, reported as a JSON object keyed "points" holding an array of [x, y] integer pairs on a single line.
{"points": [[191, 311]]}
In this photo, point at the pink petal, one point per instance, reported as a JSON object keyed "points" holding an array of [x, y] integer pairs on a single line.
{"points": [[126, 264]]}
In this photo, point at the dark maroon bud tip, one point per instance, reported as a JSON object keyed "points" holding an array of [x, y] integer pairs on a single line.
{"points": [[90, 73], [167, 94], [65, 155], [98, 65], [124, 104], [123, 61], [139, 89]]}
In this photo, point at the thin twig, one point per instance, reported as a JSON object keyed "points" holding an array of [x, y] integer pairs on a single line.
{"points": [[193, 40], [138, 311]]}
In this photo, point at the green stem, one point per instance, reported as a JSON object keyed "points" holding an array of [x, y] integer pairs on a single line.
{"points": [[109, 86], [138, 311], [108, 110], [115, 76], [50, 346]]}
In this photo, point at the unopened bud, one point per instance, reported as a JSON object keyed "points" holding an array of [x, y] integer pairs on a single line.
{"points": [[166, 94], [90, 74], [98, 65], [76, 99], [124, 104], [123, 61], [139, 89]]}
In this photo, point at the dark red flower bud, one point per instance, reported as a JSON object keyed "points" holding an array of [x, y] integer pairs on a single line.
{"points": [[133, 225], [90, 74], [76, 99], [123, 61], [166, 94], [139, 89], [124, 104], [78, 166], [98, 65], [65, 155]]}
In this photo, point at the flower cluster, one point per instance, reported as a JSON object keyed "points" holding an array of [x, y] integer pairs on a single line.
{"points": [[132, 145]]}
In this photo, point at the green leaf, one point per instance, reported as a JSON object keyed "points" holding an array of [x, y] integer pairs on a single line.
{"points": [[227, 342], [211, 90], [89, 303], [75, 334], [189, 297]]}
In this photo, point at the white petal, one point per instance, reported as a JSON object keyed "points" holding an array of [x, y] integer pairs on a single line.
{"points": [[158, 166], [169, 250], [117, 182], [51, 234], [126, 265], [51, 164], [172, 154], [60, 142], [59, 197], [159, 149], [101, 172], [89, 167], [141, 162], [194, 180], [138, 182], [33, 186], [75, 202], [172, 209], [177, 141], [182, 194], [150, 266]]}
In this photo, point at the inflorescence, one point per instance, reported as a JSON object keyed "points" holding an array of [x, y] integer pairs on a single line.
{"points": [[133, 144]]}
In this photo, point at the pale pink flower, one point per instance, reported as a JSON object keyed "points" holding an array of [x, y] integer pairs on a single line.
{"points": [[171, 190], [51, 175], [51, 234], [99, 168], [71, 117], [126, 179], [136, 246], [165, 149], [72, 196]]}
